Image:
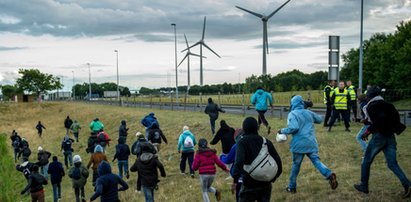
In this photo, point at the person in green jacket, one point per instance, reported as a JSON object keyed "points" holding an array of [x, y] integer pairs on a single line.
{"points": [[78, 175], [75, 128], [96, 126]]}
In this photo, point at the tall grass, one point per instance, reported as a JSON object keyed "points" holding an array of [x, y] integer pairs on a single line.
{"points": [[338, 150]]}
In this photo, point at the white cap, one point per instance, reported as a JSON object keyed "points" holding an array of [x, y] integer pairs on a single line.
{"points": [[138, 134], [185, 128], [40, 148], [76, 158]]}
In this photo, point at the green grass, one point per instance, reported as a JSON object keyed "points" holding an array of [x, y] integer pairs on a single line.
{"points": [[338, 150], [403, 104]]}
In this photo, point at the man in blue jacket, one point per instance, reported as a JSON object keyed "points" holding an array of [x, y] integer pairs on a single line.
{"points": [[259, 99], [148, 122], [301, 127]]}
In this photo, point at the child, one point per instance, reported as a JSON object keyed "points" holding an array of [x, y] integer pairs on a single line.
{"points": [[186, 143], [122, 154], [35, 184], [78, 175], [204, 161], [56, 172], [147, 165], [39, 128]]}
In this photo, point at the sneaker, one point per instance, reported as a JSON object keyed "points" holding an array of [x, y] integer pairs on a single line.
{"points": [[333, 181], [83, 200], [291, 190], [218, 195], [329, 129], [407, 192], [128, 175], [183, 173], [361, 188], [138, 191], [156, 187], [192, 175], [347, 130], [268, 130]]}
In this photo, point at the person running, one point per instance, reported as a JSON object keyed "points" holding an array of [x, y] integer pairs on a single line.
{"points": [[155, 135], [123, 130], [259, 99], [26, 167], [363, 102], [15, 142], [43, 157], [107, 184], [304, 143], [122, 154], [35, 185], [204, 161], [148, 122], [67, 124], [66, 147], [103, 139], [146, 166], [78, 175], [96, 158], [56, 172], [40, 128], [226, 135], [212, 110], [75, 128], [91, 143], [96, 126], [186, 143], [385, 121], [24, 149]]}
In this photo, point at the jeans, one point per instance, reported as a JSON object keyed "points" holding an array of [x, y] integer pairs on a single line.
{"points": [[212, 124], [68, 158], [260, 194], [76, 136], [79, 192], [387, 144], [122, 167], [148, 193], [184, 157], [363, 143], [295, 169], [206, 181], [345, 116], [261, 117], [44, 171], [56, 192], [328, 114]]}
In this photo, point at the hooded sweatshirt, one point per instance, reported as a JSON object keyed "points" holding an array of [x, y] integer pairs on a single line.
{"points": [[96, 125], [226, 135], [56, 172], [300, 124], [147, 166], [107, 184], [212, 109], [122, 150], [181, 140], [122, 131], [97, 157], [259, 99], [149, 120], [205, 160]]}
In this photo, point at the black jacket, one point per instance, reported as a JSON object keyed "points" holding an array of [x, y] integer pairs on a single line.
{"points": [[147, 166], [67, 123], [384, 117], [122, 150], [155, 135], [212, 110], [43, 157], [36, 182], [247, 150], [56, 172], [226, 135], [122, 131]]}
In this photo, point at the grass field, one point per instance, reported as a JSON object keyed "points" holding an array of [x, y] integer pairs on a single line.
{"points": [[338, 150]]}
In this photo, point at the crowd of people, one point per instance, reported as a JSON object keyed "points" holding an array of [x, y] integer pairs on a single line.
{"points": [[251, 159]]}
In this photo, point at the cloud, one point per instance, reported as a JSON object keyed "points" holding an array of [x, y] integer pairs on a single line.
{"points": [[8, 77], [5, 48]]}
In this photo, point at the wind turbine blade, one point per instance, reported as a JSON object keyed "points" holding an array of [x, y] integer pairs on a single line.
{"points": [[251, 12], [211, 50], [182, 60], [186, 41], [191, 46], [271, 15], [202, 38], [266, 43], [193, 54]]}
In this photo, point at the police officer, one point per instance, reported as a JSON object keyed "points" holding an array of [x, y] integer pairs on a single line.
{"points": [[340, 100], [328, 92], [352, 105]]}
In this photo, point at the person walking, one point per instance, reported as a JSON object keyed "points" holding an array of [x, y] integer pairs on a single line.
{"points": [[328, 93], [103, 139], [304, 143], [78, 175], [122, 154], [40, 128], [96, 125], [212, 110], [226, 135], [385, 121], [24, 149], [248, 148], [123, 130], [259, 99], [91, 143], [67, 124], [43, 157], [56, 172], [96, 158], [35, 185], [204, 161], [15, 142], [25, 167], [148, 122], [155, 135], [340, 100], [75, 128], [352, 105], [186, 143], [66, 147], [107, 184], [363, 102]]}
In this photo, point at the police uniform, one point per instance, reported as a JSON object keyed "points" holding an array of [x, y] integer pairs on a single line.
{"points": [[352, 105], [328, 92], [340, 100]]}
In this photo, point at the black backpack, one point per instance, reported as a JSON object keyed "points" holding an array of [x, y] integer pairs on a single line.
{"points": [[102, 139], [26, 152], [76, 173], [16, 144]]}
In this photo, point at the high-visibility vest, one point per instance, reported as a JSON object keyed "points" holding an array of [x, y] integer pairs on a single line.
{"points": [[351, 91], [331, 93], [340, 100]]}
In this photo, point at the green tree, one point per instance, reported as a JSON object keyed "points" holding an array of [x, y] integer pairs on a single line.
{"points": [[34, 81], [8, 91]]}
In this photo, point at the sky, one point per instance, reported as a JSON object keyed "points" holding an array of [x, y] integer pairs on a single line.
{"points": [[60, 37]]}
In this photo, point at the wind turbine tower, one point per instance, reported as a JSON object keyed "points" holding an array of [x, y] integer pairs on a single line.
{"points": [[187, 56]]}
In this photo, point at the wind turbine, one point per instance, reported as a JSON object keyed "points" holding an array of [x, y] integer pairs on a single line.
{"points": [[202, 43], [264, 18], [188, 62]]}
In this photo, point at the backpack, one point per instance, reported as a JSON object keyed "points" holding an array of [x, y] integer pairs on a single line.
{"points": [[67, 145], [26, 152], [76, 174], [188, 142], [263, 168], [102, 139], [16, 144]]}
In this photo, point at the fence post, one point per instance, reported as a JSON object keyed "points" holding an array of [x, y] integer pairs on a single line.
{"points": [[281, 113], [185, 101], [172, 106], [201, 102], [243, 104], [219, 100], [272, 108]]}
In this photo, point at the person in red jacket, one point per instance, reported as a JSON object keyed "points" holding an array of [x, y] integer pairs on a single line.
{"points": [[204, 161]]}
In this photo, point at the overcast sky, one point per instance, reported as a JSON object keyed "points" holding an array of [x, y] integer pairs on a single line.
{"points": [[61, 36]]}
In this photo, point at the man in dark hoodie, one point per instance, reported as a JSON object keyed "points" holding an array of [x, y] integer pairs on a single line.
{"points": [[66, 147], [26, 167], [123, 130], [56, 172], [107, 184], [122, 154], [248, 148], [146, 166], [212, 110], [35, 185], [385, 121], [67, 124], [226, 135], [155, 134]]}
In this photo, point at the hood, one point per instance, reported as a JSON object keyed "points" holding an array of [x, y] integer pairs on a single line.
{"points": [[151, 114], [224, 125], [297, 102], [123, 122], [259, 91], [104, 168], [96, 119], [187, 133], [77, 164], [207, 152], [250, 125], [98, 148], [121, 140], [146, 157], [210, 100]]}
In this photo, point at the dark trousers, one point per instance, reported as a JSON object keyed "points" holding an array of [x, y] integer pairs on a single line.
{"points": [[184, 157], [352, 107], [37, 196], [261, 117], [328, 114], [345, 116], [79, 192], [212, 124], [259, 194], [95, 176]]}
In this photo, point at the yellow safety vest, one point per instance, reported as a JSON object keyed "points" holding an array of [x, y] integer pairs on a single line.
{"points": [[331, 93], [351, 91], [340, 100]]}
